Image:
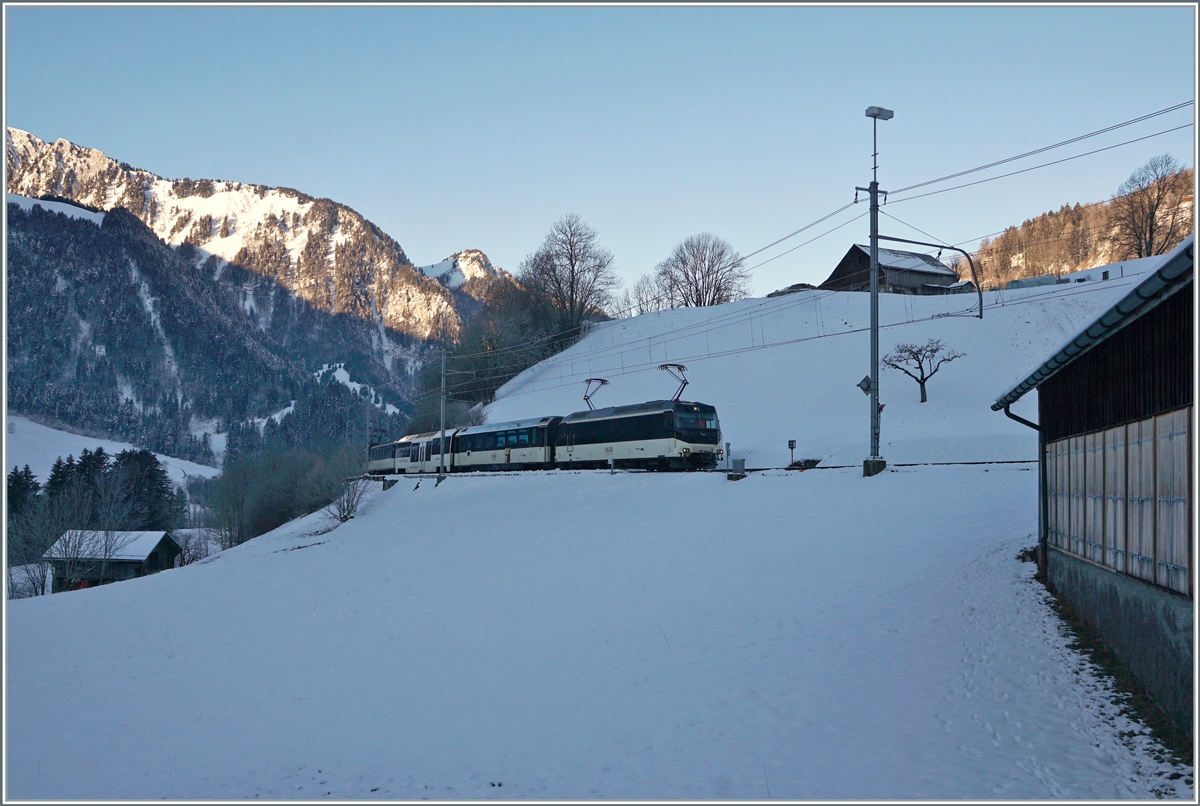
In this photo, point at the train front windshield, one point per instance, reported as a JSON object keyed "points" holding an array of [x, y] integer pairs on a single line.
{"points": [[706, 420], [698, 426]]}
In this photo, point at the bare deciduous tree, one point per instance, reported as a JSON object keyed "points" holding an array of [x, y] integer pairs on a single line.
{"points": [[572, 270], [195, 544], [645, 298], [342, 508], [73, 555], [702, 270], [40, 524], [114, 512], [229, 498], [1147, 209], [920, 361]]}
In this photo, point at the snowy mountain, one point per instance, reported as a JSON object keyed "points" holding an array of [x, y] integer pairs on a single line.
{"points": [[324, 253], [456, 270]]}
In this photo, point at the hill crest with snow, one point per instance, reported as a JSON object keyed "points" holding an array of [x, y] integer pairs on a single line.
{"points": [[788, 367]]}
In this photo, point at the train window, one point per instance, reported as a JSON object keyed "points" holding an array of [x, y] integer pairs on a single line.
{"points": [[696, 419], [523, 438], [402, 451]]}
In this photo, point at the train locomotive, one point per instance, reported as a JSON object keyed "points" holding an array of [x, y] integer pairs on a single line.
{"points": [[657, 435]]}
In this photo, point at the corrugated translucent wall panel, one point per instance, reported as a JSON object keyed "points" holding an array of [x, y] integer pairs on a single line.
{"points": [[1093, 489], [1114, 498], [1062, 498], [1077, 462], [1122, 498], [1141, 499], [1173, 511]]}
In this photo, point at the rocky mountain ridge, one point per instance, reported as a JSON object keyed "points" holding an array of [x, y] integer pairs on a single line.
{"points": [[322, 252]]}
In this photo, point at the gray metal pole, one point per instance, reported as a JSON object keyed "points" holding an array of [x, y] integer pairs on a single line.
{"points": [[442, 461], [874, 463]]}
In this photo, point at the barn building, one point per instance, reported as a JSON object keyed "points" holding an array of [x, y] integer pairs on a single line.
{"points": [[1115, 420], [86, 558], [899, 272]]}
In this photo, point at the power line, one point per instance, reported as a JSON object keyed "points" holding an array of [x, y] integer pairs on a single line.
{"points": [[802, 229], [992, 165], [659, 298], [806, 243], [1046, 148], [1043, 165]]}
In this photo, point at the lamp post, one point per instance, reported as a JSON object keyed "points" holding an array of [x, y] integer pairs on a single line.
{"points": [[875, 463]]}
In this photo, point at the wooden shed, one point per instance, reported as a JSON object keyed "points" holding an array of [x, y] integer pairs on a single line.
{"points": [[1115, 420], [84, 558], [899, 272]]}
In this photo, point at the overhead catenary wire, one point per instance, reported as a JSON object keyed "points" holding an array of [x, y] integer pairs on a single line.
{"points": [[675, 334], [636, 345], [648, 366]]}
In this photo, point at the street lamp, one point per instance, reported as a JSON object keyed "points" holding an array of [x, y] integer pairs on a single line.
{"points": [[875, 463]]}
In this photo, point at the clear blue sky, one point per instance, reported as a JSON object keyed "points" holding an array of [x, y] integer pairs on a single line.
{"points": [[455, 128]]}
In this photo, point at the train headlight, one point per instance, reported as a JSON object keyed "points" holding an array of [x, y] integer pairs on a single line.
{"points": [[685, 451], [720, 453]]}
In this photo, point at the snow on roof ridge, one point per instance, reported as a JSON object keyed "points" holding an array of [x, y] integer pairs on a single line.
{"points": [[1150, 275], [137, 545]]}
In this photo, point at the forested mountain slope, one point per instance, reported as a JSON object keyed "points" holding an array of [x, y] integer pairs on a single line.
{"points": [[110, 330]]}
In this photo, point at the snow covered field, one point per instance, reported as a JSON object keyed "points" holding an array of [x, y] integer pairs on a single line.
{"points": [[36, 445], [563, 635], [580, 635]]}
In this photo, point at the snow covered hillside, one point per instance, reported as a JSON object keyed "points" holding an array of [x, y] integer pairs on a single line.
{"points": [[56, 207], [568, 635], [36, 445], [340, 374], [787, 368]]}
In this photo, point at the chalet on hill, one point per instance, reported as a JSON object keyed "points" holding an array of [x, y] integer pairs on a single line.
{"points": [[1115, 426], [899, 273], [84, 558]]}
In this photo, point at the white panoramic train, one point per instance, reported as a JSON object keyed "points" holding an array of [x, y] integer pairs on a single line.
{"points": [[659, 435]]}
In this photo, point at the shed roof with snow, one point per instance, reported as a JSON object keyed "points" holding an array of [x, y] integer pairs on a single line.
{"points": [[127, 546], [898, 269], [1167, 275]]}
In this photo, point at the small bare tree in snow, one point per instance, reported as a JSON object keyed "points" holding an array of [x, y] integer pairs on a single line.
{"points": [[74, 555], [645, 298], [195, 544], [342, 508], [920, 361]]}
